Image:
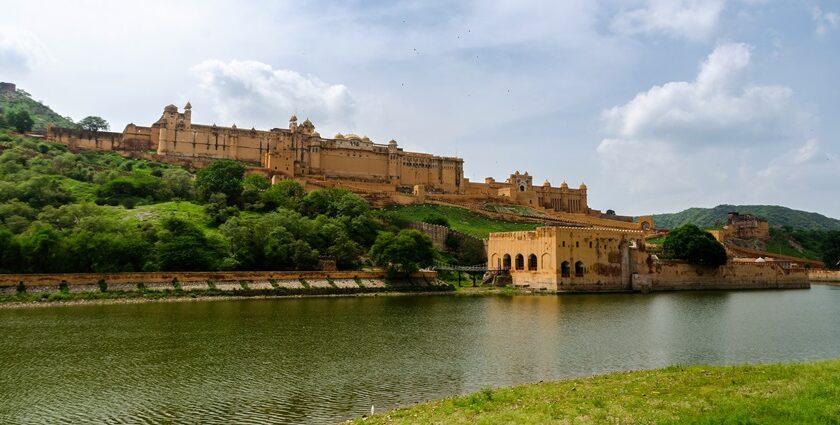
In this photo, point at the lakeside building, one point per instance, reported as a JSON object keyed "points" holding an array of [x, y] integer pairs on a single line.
{"points": [[580, 259]]}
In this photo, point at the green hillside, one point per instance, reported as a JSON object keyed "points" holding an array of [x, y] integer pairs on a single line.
{"points": [[461, 219], [42, 114], [777, 215]]}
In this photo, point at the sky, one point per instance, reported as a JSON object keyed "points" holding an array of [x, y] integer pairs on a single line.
{"points": [[657, 105]]}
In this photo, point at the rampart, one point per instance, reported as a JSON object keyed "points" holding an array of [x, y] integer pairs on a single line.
{"points": [[824, 275], [201, 280], [680, 276]]}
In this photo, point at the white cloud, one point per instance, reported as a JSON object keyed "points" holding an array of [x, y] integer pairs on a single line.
{"points": [[20, 51], [267, 96], [686, 19], [703, 141], [717, 107], [825, 21]]}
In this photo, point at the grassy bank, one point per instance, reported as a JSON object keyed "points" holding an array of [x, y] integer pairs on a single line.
{"points": [[761, 394], [461, 219]]}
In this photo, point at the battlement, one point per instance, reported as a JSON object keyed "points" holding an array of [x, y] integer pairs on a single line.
{"points": [[8, 88]]}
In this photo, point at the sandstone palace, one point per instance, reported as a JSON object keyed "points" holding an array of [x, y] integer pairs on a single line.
{"points": [[384, 172]]}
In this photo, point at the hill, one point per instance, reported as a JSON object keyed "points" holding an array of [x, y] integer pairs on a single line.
{"points": [[777, 215], [42, 114]]}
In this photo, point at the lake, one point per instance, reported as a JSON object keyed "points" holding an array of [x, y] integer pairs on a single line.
{"points": [[324, 360]]}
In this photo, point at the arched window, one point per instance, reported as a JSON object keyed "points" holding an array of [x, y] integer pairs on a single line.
{"points": [[520, 262], [506, 262], [579, 269], [532, 262], [565, 269]]}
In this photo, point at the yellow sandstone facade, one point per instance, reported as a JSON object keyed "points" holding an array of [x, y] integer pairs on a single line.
{"points": [[593, 259], [354, 162]]}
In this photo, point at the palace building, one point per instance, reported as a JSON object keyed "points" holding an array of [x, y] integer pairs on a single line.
{"points": [[300, 152]]}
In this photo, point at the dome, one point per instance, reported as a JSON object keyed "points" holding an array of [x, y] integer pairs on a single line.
{"points": [[547, 183], [293, 118], [582, 186], [170, 108], [564, 185], [188, 105], [338, 136]]}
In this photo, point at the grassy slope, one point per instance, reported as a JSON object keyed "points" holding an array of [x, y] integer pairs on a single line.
{"points": [[792, 393], [42, 114], [777, 215], [460, 219]]}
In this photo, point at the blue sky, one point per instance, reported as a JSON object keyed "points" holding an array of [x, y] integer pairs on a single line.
{"points": [[656, 105]]}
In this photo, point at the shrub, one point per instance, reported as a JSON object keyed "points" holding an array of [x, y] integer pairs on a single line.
{"points": [[694, 245], [63, 288], [437, 219], [141, 286], [21, 288], [103, 286]]}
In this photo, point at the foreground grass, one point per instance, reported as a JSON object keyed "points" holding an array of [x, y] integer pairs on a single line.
{"points": [[460, 219], [755, 394]]}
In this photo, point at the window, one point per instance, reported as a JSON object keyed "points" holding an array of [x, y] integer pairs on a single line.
{"points": [[577, 244], [590, 244], [579, 269], [565, 269], [506, 262], [532, 262], [520, 262]]}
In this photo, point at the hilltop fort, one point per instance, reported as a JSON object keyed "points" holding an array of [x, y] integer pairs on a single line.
{"points": [[383, 173]]}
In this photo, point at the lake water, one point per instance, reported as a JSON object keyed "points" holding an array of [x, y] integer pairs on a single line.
{"points": [[323, 360]]}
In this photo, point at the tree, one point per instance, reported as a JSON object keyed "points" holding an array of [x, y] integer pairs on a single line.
{"points": [[93, 123], [285, 194], [252, 188], [223, 176], [179, 183], [694, 245], [404, 252], [20, 121], [217, 209], [333, 202], [437, 219], [831, 249], [182, 246], [610, 212]]}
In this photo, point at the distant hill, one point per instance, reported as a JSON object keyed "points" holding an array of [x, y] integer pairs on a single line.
{"points": [[777, 215], [42, 114]]}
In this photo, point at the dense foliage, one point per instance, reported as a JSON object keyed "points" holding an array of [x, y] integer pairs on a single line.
{"points": [[42, 116], [777, 215], [404, 252], [99, 212], [694, 245]]}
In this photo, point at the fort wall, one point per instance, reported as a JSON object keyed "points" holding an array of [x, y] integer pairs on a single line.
{"points": [[384, 173], [824, 275], [8, 282]]}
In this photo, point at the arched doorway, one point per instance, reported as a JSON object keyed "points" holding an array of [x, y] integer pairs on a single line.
{"points": [[532, 262], [565, 269], [579, 269], [520, 262], [506, 262]]}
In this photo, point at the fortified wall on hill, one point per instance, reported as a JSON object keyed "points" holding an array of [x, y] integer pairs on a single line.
{"points": [[355, 162]]}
